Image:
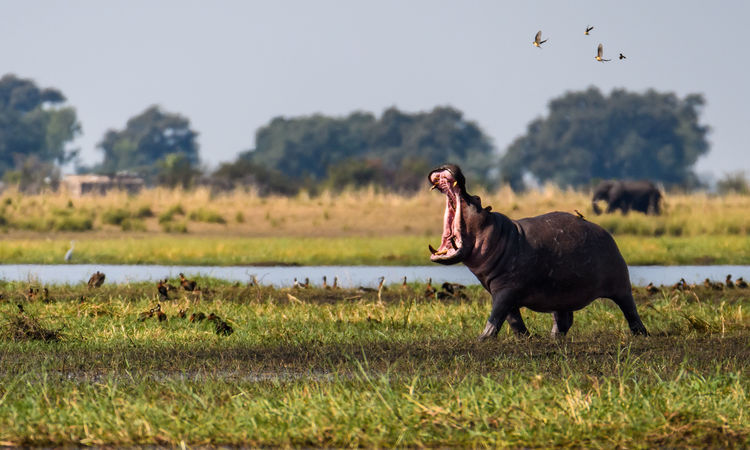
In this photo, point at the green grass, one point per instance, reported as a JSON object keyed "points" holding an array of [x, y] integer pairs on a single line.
{"points": [[318, 367], [146, 248]]}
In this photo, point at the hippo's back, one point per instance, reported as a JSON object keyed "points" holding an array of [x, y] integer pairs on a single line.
{"points": [[568, 254]]}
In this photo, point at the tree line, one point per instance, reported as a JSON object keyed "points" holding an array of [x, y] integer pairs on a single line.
{"points": [[586, 135]]}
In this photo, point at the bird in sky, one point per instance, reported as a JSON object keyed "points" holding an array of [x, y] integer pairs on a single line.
{"points": [[600, 53], [587, 30], [538, 39], [622, 56]]}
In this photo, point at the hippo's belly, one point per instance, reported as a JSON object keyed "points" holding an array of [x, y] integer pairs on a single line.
{"points": [[541, 301]]}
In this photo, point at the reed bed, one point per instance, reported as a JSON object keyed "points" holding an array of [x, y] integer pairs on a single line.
{"points": [[334, 368]]}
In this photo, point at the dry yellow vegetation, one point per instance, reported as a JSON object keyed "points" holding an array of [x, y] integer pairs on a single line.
{"points": [[357, 213]]}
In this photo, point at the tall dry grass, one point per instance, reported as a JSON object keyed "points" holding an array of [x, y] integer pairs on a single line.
{"points": [[351, 213]]}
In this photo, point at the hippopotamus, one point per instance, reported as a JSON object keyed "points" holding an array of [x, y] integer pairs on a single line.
{"points": [[557, 262]]}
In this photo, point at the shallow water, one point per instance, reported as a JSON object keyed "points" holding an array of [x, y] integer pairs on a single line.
{"points": [[348, 276]]}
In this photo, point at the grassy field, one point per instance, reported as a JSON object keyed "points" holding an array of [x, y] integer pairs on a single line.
{"points": [[168, 249], [316, 367], [194, 227]]}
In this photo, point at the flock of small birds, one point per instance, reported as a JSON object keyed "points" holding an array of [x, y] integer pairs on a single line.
{"points": [[599, 50], [446, 291], [683, 285], [222, 327], [164, 288]]}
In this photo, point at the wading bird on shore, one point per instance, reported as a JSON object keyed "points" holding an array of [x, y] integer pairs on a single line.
{"points": [[538, 39], [96, 280], [188, 285], [600, 54], [150, 313], [587, 30], [69, 253], [162, 289], [429, 291]]}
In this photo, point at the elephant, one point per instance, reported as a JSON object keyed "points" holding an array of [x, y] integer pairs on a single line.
{"points": [[642, 195]]}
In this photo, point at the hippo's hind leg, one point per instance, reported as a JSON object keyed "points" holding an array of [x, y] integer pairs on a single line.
{"points": [[563, 322], [515, 321], [627, 306]]}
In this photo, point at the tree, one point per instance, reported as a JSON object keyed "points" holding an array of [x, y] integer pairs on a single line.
{"points": [[355, 173], [33, 124], [626, 135], [175, 169], [244, 173], [308, 147], [146, 143], [733, 183]]}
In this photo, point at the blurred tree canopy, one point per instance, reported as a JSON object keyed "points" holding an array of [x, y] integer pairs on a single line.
{"points": [[152, 142], [361, 148], [244, 173], [35, 129], [589, 136]]}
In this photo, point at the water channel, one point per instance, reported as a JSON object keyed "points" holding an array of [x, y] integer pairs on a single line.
{"points": [[348, 276]]}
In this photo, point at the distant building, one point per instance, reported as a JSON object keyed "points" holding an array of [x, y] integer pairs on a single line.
{"points": [[79, 185]]}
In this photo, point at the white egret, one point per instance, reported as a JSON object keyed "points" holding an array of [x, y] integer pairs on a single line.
{"points": [[69, 253]]}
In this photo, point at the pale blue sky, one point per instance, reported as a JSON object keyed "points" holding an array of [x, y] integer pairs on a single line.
{"points": [[230, 66]]}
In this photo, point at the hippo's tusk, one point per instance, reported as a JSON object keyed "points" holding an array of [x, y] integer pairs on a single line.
{"points": [[434, 186], [435, 252]]}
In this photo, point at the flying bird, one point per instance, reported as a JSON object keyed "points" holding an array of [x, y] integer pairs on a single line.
{"points": [[599, 54], [587, 30], [538, 39], [622, 56]]}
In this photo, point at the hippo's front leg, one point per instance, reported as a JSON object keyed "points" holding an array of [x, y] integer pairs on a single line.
{"points": [[502, 304]]}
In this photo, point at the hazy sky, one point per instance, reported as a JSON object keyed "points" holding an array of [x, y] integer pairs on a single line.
{"points": [[231, 66]]}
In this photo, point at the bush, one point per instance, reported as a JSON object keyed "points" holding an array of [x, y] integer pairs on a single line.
{"points": [[174, 227], [733, 183], [115, 216], [77, 222], [169, 214], [143, 211], [206, 215], [133, 224]]}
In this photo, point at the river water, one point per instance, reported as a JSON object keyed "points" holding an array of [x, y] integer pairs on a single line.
{"points": [[348, 276]]}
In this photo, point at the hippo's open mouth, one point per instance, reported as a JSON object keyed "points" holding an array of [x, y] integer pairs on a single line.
{"points": [[450, 250]]}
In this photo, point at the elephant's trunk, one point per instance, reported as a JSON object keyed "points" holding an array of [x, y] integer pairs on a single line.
{"points": [[595, 207]]}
